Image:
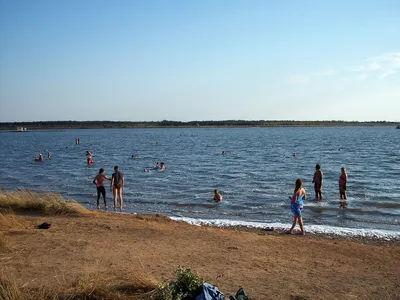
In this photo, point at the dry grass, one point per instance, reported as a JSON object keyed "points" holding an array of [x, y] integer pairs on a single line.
{"points": [[8, 220], [86, 287], [46, 203], [3, 243], [9, 290]]}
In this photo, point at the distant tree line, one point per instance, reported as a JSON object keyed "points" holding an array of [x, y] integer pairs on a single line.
{"points": [[166, 123]]}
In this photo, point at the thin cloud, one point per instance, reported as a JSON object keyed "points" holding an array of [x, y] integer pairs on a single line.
{"points": [[380, 66], [298, 79], [324, 73]]}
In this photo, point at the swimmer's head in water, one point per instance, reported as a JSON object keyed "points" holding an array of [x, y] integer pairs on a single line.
{"points": [[101, 171]]}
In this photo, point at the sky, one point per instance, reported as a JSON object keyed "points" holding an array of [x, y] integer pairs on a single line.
{"points": [[132, 60]]}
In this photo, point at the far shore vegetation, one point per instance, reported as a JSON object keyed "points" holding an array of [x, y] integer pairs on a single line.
{"points": [[57, 125]]}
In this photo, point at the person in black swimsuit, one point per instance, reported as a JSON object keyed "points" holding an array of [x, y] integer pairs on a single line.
{"points": [[117, 185]]}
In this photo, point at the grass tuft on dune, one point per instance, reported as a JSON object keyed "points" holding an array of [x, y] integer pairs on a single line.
{"points": [[47, 203], [86, 286]]}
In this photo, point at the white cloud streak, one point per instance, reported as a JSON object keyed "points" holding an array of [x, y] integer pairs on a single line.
{"points": [[380, 66]]}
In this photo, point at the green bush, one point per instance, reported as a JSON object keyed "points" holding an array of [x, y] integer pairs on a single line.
{"points": [[186, 284]]}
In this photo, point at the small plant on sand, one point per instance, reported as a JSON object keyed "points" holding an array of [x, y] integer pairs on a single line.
{"points": [[186, 283]]}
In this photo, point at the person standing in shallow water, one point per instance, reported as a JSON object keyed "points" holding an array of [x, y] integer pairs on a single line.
{"points": [[117, 185], [343, 184], [317, 180], [296, 204], [99, 182]]}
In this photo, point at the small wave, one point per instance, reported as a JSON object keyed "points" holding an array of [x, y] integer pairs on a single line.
{"points": [[340, 231]]}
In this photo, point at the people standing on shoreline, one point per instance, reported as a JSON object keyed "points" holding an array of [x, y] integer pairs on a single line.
{"points": [[317, 180], [296, 204], [99, 182], [343, 184], [117, 185]]}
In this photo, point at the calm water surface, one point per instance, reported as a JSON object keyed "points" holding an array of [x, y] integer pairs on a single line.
{"points": [[255, 176]]}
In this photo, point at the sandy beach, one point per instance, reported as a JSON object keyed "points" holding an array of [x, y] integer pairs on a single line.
{"points": [[115, 249]]}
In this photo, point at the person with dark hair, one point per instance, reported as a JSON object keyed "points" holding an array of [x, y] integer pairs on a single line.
{"points": [[317, 180], [296, 204], [217, 196], [99, 182], [343, 184], [117, 185]]}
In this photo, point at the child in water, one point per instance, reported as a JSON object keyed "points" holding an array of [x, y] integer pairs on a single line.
{"points": [[317, 180], [343, 183], [217, 196], [296, 205]]}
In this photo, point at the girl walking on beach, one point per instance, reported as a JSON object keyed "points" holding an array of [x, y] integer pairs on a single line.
{"points": [[296, 205], [99, 182]]}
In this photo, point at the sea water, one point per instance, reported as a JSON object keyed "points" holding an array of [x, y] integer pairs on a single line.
{"points": [[255, 176]]}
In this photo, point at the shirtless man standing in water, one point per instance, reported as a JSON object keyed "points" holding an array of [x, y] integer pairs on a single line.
{"points": [[317, 180], [117, 185]]}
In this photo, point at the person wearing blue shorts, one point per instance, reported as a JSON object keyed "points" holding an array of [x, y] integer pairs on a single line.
{"points": [[296, 204]]}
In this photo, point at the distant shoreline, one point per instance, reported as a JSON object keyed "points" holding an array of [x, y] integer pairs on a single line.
{"points": [[58, 125]]}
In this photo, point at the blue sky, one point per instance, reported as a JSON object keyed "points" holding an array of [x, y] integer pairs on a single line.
{"points": [[199, 60]]}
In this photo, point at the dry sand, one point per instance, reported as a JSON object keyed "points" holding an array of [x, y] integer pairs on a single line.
{"points": [[268, 265]]}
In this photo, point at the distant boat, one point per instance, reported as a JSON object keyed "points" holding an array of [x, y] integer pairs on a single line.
{"points": [[398, 127], [21, 129]]}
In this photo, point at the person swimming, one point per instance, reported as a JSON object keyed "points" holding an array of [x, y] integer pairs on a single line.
{"points": [[90, 160], [158, 167], [217, 196], [40, 158]]}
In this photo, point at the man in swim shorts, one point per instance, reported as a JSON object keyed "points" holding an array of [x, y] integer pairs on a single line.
{"points": [[317, 180], [117, 185]]}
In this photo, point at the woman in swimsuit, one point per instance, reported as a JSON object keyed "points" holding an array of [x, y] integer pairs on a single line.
{"points": [[99, 182], [296, 205]]}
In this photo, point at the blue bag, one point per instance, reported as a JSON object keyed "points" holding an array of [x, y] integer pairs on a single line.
{"points": [[210, 292]]}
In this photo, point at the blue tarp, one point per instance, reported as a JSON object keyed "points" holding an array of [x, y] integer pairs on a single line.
{"points": [[210, 292]]}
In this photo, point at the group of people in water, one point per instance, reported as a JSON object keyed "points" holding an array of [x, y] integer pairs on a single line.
{"points": [[299, 194], [117, 183]]}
